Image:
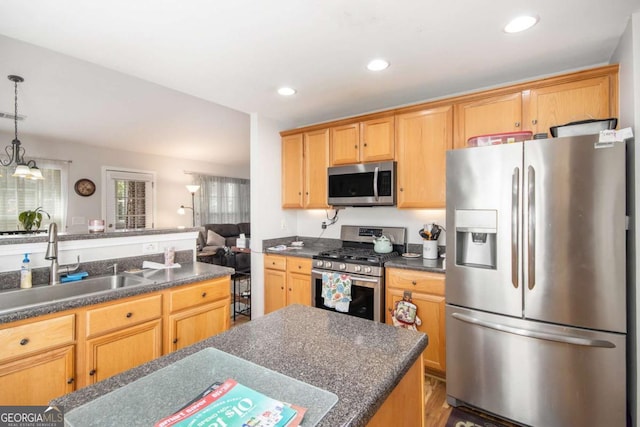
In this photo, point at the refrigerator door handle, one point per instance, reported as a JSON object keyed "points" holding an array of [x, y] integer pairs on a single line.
{"points": [[531, 238], [375, 183], [534, 334], [515, 215]]}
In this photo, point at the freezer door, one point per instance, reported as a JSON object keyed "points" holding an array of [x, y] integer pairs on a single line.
{"points": [[484, 187], [574, 233], [533, 373]]}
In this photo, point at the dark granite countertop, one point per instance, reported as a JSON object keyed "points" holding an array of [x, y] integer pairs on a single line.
{"points": [[420, 264], [161, 279], [359, 360]]}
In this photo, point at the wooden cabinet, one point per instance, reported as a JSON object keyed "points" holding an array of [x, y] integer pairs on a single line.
{"points": [[305, 158], [422, 139], [287, 280], [568, 102], [121, 335], [299, 281], [427, 293], [367, 141], [197, 312], [37, 360], [487, 115]]}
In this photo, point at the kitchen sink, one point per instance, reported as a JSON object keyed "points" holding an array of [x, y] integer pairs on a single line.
{"points": [[44, 294]]}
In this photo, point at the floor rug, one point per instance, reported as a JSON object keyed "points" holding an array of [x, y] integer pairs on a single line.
{"points": [[466, 418]]}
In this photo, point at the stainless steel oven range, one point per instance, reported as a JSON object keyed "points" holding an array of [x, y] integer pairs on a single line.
{"points": [[357, 261]]}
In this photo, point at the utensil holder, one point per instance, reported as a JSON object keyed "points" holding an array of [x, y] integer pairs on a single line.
{"points": [[430, 249]]}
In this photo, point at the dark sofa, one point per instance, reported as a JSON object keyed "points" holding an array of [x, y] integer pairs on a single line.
{"points": [[221, 242]]}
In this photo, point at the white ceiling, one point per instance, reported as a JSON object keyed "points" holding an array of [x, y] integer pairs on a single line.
{"points": [[237, 53]]}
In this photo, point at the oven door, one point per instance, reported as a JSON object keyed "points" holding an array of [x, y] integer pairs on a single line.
{"points": [[367, 296]]}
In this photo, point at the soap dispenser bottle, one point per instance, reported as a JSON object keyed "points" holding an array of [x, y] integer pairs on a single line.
{"points": [[25, 273]]}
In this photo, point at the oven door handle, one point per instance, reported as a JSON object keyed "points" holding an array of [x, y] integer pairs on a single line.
{"points": [[353, 278]]}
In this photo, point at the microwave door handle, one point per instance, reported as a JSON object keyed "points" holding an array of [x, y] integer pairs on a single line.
{"points": [[375, 183]]}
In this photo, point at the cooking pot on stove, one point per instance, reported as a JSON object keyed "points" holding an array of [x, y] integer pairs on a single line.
{"points": [[382, 244]]}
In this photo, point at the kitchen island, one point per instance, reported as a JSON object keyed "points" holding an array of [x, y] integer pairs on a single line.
{"points": [[367, 365]]}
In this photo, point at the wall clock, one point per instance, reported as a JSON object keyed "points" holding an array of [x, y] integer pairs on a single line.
{"points": [[84, 187]]}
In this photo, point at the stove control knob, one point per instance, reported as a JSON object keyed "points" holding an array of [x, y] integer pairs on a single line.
{"points": [[319, 263], [342, 266], [327, 264], [357, 268], [367, 269]]}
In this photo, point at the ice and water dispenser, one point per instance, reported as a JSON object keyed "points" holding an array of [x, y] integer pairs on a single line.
{"points": [[476, 237]]}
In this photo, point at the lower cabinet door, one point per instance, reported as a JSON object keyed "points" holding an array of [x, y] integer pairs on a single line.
{"points": [[275, 296], [190, 326], [37, 379], [110, 354], [299, 289], [431, 311]]}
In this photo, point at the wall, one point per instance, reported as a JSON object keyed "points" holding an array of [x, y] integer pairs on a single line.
{"points": [[87, 161], [627, 54], [268, 220]]}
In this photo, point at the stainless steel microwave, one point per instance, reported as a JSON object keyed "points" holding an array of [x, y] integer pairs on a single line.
{"points": [[363, 184]]}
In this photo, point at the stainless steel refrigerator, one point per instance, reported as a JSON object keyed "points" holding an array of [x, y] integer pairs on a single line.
{"points": [[536, 281]]}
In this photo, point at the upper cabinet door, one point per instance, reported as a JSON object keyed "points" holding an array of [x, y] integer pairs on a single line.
{"points": [[316, 162], [377, 140], [292, 171], [345, 144], [422, 140], [569, 102], [485, 116]]}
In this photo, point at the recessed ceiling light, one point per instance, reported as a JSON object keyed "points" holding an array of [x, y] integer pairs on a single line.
{"points": [[286, 91], [521, 23], [377, 65]]}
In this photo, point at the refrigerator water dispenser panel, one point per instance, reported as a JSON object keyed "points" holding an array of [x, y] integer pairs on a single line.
{"points": [[476, 237]]}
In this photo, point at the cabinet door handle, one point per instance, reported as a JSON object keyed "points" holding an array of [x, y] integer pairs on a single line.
{"points": [[355, 146], [517, 124], [92, 372], [413, 282], [24, 341], [289, 289], [175, 340], [365, 144], [401, 189], [70, 381], [129, 314], [534, 121], [299, 267], [204, 294]]}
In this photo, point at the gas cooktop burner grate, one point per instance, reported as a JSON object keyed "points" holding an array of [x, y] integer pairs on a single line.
{"points": [[357, 255]]}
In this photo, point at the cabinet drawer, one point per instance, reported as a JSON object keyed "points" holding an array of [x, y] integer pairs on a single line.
{"points": [[420, 281], [299, 265], [275, 262], [36, 336], [201, 293], [123, 314]]}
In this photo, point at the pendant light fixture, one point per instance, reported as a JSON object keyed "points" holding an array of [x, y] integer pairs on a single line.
{"points": [[15, 152]]}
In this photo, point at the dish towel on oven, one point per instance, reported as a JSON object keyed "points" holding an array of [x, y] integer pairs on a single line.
{"points": [[336, 291]]}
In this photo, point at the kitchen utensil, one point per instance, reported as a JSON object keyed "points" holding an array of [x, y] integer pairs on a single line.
{"points": [[382, 244], [411, 255]]}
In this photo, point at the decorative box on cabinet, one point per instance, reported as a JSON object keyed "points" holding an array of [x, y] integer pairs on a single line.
{"points": [[427, 293], [37, 360]]}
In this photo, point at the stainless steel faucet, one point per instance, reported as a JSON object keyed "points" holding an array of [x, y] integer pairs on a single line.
{"points": [[55, 271]]}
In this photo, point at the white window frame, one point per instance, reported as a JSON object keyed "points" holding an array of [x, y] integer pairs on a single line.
{"points": [[109, 174]]}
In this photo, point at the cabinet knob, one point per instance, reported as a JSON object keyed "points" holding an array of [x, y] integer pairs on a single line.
{"points": [[175, 340], [365, 144], [534, 121], [401, 189], [289, 289], [70, 381], [24, 341], [204, 294], [92, 372], [299, 193], [129, 314], [299, 267], [517, 124], [281, 287], [355, 146], [307, 193], [413, 282]]}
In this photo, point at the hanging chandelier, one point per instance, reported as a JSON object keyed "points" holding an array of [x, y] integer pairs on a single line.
{"points": [[15, 152]]}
